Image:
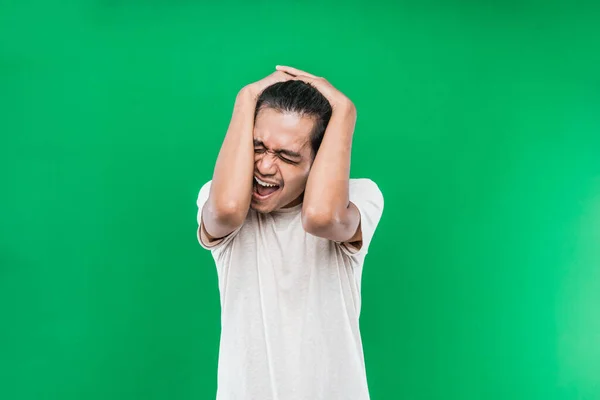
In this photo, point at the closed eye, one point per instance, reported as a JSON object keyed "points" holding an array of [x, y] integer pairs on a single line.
{"points": [[281, 155], [287, 160]]}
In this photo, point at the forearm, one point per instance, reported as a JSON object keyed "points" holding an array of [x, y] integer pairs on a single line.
{"points": [[326, 197], [231, 188]]}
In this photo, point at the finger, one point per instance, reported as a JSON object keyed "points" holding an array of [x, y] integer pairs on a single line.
{"points": [[282, 76], [313, 80], [293, 71], [287, 75]]}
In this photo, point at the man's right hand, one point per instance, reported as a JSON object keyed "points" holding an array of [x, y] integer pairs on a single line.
{"points": [[256, 88], [231, 189]]}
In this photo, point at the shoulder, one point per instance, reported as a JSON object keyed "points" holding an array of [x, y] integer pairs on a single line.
{"points": [[206, 186], [363, 182], [365, 187], [204, 191]]}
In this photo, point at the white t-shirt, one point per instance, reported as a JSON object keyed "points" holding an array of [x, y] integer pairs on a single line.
{"points": [[290, 305]]}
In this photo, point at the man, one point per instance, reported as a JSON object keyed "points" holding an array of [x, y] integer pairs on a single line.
{"points": [[289, 232]]}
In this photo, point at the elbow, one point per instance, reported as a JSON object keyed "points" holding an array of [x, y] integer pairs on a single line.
{"points": [[228, 213], [317, 221]]}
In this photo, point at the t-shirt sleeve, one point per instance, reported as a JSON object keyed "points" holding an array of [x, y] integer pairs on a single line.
{"points": [[201, 230], [366, 196]]}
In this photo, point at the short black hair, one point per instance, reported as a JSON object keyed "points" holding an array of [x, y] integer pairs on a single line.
{"points": [[298, 97]]}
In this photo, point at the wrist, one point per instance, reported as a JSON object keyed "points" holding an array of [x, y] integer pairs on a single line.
{"points": [[247, 95], [346, 109], [249, 92]]}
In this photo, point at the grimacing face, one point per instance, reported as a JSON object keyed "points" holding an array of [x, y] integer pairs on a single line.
{"points": [[282, 157]]}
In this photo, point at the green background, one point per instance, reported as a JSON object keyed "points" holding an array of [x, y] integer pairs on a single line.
{"points": [[480, 121]]}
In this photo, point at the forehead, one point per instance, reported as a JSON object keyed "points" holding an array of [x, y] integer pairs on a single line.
{"points": [[283, 130]]}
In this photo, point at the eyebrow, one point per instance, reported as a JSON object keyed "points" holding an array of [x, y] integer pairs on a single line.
{"points": [[289, 153]]}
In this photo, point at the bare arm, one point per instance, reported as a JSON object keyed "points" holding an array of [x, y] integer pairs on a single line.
{"points": [[327, 211], [231, 189]]}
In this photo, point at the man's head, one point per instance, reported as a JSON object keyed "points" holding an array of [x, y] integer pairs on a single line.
{"points": [[289, 124]]}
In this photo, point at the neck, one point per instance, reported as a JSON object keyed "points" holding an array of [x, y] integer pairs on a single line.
{"points": [[295, 202]]}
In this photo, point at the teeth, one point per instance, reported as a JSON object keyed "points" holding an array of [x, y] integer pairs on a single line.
{"points": [[262, 183]]}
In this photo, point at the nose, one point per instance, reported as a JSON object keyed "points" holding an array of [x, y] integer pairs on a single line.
{"points": [[265, 164]]}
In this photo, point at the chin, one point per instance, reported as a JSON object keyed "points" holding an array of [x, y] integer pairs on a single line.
{"points": [[261, 208]]}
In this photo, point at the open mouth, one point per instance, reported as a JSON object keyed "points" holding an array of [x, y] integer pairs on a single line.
{"points": [[263, 190]]}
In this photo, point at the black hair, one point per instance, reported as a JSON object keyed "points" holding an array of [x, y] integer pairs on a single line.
{"points": [[298, 97]]}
